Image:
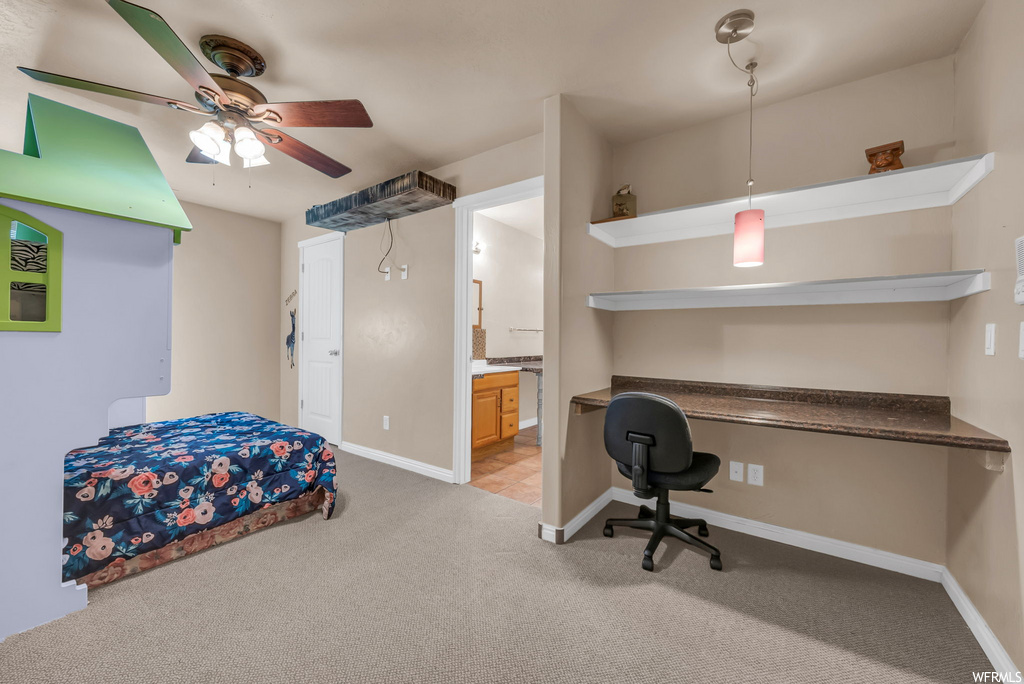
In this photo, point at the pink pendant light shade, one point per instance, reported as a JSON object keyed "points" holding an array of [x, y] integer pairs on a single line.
{"points": [[748, 238]]}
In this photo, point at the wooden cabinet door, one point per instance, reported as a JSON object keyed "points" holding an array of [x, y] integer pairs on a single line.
{"points": [[486, 417]]}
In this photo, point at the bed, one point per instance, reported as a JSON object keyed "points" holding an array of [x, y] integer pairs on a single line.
{"points": [[150, 493]]}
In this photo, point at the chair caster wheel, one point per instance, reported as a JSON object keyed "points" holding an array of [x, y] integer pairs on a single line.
{"points": [[716, 563], [646, 512], [648, 564], [702, 530], [608, 531]]}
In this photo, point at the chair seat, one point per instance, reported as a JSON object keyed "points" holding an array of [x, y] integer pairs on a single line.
{"points": [[702, 469]]}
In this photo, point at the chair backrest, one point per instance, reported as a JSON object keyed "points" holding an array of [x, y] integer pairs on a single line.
{"points": [[652, 415]]}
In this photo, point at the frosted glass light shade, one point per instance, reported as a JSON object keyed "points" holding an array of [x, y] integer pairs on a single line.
{"points": [[247, 146], [208, 138], [258, 161], [748, 238]]}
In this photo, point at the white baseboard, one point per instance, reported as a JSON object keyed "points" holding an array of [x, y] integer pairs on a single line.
{"points": [[805, 540], [1000, 659], [529, 422], [990, 644], [399, 462]]}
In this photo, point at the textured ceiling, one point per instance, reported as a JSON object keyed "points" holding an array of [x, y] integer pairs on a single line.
{"points": [[446, 79]]}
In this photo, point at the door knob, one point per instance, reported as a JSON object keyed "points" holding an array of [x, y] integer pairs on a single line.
{"points": [[334, 352]]}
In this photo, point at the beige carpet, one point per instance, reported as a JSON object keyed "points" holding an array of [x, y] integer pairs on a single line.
{"points": [[419, 581]]}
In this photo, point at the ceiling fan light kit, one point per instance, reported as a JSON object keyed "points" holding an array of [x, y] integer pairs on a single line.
{"points": [[238, 108]]}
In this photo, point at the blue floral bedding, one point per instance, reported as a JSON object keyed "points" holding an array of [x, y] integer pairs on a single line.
{"points": [[144, 486]]}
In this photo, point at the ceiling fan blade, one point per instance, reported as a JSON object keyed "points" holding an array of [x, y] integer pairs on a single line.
{"points": [[162, 38], [326, 113], [197, 157], [91, 86], [303, 152]]}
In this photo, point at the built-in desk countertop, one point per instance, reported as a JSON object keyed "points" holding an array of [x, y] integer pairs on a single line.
{"points": [[901, 417]]}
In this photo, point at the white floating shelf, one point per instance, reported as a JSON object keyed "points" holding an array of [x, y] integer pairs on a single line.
{"points": [[919, 187], [919, 287]]}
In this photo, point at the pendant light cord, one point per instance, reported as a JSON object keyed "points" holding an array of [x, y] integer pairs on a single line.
{"points": [[753, 85]]}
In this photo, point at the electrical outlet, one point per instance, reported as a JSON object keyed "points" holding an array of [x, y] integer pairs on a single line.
{"points": [[736, 471], [387, 273], [405, 271], [1020, 344], [755, 475], [387, 422], [990, 339]]}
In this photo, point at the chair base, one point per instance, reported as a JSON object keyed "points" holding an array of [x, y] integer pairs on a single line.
{"points": [[661, 524]]}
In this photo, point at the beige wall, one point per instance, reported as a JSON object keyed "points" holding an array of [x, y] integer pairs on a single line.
{"points": [[399, 335], [845, 488], [226, 341], [986, 509], [577, 343]]}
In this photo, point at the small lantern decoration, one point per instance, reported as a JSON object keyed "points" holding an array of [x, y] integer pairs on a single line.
{"points": [[885, 157], [624, 203]]}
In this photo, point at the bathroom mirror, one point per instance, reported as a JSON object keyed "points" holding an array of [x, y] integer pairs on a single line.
{"points": [[478, 293]]}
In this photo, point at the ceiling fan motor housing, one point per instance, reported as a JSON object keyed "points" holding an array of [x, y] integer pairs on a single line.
{"points": [[233, 56]]}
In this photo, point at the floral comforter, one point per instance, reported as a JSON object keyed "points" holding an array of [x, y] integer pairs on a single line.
{"points": [[144, 486]]}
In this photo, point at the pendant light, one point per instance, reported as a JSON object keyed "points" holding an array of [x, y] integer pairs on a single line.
{"points": [[748, 230]]}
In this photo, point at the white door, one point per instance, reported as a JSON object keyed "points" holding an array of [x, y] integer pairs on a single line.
{"points": [[320, 297]]}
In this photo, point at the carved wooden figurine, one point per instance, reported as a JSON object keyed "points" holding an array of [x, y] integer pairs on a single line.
{"points": [[885, 157]]}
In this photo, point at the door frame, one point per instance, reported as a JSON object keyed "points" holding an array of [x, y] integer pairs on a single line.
{"points": [[465, 207], [299, 343]]}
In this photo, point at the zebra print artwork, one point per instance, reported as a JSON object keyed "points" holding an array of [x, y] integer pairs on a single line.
{"points": [[28, 257]]}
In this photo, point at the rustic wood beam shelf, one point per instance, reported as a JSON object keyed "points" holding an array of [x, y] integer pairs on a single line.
{"points": [[919, 187], [919, 287]]}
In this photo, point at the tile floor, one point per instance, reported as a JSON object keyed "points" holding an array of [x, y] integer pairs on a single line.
{"points": [[514, 473]]}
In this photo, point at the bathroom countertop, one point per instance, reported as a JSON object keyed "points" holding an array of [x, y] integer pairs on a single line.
{"points": [[527, 364]]}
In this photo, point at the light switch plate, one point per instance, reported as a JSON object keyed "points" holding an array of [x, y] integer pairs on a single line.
{"points": [[755, 475], [1020, 344], [990, 339], [387, 422], [736, 471]]}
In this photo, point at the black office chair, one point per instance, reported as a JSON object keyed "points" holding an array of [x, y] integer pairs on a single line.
{"points": [[649, 437]]}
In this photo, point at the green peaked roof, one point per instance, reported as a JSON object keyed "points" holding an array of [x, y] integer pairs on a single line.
{"points": [[84, 162]]}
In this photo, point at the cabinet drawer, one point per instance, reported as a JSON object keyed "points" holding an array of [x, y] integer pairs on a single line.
{"points": [[495, 380], [509, 424], [510, 399]]}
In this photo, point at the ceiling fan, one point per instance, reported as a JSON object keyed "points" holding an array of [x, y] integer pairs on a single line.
{"points": [[238, 109]]}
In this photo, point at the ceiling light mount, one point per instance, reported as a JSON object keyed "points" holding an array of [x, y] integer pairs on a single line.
{"points": [[734, 26], [233, 56]]}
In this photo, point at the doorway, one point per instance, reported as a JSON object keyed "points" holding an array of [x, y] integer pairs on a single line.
{"points": [[499, 307], [318, 345]]}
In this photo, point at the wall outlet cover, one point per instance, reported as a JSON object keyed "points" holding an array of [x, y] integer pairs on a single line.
{"points": [[387, 422], [755, 475], [990, 339], [387, 273], [736, 471], [405, 272]]}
